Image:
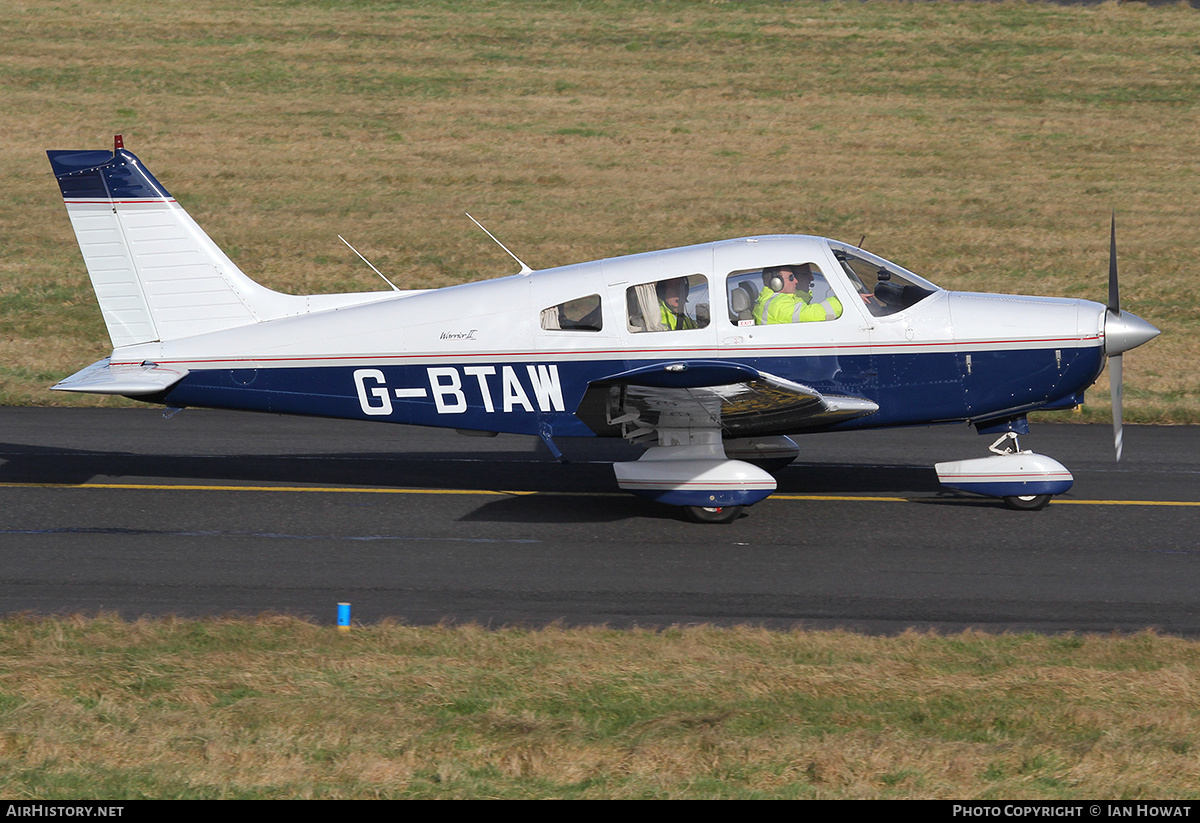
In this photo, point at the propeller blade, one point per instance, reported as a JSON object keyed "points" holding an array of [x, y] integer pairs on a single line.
{"points": [[1122, 332], [1115, 379], [1114, 292]]}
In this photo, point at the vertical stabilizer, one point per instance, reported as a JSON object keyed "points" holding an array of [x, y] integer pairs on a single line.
{"points": [[155, 272]]}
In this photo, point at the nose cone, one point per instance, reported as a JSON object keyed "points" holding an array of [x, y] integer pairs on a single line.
{"points": [[1124, 331]]}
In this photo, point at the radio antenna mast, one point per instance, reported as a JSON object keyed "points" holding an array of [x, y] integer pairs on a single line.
{"points": [[524, 269], [368, 262]]}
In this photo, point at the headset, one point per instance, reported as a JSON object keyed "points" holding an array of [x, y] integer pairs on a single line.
{"points": [[773, 279]]}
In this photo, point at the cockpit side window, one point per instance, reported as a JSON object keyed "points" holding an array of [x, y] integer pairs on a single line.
{"points": [[787, 293], [674, 304], [884, 290], [580, 314]]}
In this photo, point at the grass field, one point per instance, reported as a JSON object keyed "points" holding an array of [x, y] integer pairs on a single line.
{"points": [[282, 708], [983, 145]]}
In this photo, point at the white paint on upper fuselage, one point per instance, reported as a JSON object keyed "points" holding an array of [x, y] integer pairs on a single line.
{"points": [[498, 320], [1000, 321]]}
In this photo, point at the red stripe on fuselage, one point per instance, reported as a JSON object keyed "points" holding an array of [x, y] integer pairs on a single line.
{"points": [[709, 351]]}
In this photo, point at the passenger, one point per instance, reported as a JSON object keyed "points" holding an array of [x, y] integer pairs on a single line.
{"points": [[672, 304], [787, 297]]}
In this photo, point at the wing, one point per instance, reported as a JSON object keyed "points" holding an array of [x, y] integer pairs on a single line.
{"points": [[738, 399]]}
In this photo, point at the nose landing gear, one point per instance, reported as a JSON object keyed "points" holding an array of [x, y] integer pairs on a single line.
{"points": [[1025, 481]]}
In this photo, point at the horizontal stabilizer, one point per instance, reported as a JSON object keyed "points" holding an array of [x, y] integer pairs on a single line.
{"points": [[127, 379]]}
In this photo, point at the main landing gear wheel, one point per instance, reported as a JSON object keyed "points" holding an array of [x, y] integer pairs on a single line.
{"points": [[1027, 502], [713, 514]]}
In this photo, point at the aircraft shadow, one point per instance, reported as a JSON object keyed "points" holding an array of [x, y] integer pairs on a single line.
{"points": [[466, 470], [590, 482]]}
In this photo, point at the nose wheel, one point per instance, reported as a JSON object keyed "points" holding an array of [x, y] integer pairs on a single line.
{"points": [[1025, 481], [1027, 502], [713, 514]]}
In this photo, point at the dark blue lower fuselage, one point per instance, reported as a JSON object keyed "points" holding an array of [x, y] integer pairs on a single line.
{"points": [[909, 388]]}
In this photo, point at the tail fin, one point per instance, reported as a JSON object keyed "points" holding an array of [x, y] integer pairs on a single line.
{"points": [[155, 272]]}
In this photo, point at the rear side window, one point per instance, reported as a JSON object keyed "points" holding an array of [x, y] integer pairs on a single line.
{"points": [[580, 314]]}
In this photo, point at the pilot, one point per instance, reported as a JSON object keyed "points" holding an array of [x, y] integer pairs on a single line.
{"points": [[672, 304], [787, 297]]}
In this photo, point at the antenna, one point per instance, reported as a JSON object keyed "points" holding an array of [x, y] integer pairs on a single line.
{"points": [[524, 269], [368, 262]]}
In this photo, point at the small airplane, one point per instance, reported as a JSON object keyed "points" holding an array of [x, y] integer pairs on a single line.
{"points": [[707, 355]]}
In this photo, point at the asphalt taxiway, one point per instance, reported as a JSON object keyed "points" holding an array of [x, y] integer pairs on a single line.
{"points": [[210, 513]]}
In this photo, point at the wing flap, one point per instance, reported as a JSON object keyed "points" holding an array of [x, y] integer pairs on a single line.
{"points": [[125, 379], [740, 400]]}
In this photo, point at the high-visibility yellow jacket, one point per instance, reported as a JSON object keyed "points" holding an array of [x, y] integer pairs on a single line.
{"points": [[780, 307], [674, 321]]}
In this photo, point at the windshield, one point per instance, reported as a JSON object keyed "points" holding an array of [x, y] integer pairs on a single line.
{"points": [[885, 287]]}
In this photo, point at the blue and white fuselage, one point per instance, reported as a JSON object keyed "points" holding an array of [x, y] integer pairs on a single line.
{"points": [[591, 349], [474, 356]]}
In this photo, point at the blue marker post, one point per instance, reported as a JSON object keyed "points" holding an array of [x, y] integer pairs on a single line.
{"points": [[343, 617]]}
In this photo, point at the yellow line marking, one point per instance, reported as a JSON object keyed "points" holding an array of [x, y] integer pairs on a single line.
{"points": [[511, 493], [841, 497], [1127, 502]]}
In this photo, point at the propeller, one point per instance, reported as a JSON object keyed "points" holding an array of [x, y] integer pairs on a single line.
{"points": [[1122, 331], [1115, 368], [1116, 380]]}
